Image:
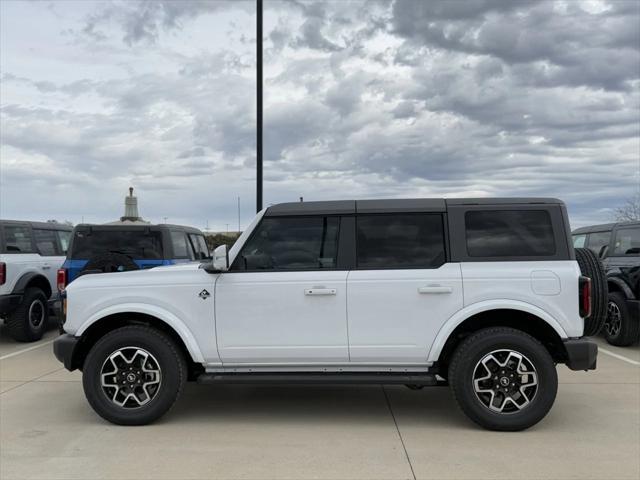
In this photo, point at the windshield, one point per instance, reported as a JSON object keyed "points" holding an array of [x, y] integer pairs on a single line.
{"points": [[135, 244]]}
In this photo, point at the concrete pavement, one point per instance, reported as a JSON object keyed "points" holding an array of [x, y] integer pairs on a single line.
{"points": [[48, 431]]}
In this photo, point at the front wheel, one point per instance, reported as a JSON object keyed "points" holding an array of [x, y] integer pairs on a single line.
{"points": [[133, 375], [503, 379]]}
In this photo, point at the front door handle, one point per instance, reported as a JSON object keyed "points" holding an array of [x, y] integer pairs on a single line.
{"points": [[435, 289], [320, 291]]}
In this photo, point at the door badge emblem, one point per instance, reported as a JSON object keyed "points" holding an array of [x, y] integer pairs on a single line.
{"points": [[204, 294]]}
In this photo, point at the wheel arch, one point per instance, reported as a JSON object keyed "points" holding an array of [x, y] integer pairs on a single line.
{"points": [[618, 285], [98, 326], [33, 279], [526, 318]]}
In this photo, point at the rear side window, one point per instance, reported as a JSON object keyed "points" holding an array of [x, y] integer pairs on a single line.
{"points": [[597, 240], [627, 242], [181, 249], [17, 239], [509, 233], [199, 246], [579, 241], [46, 242], [400, 241], [64, 237], [291, 243], [135, 244]]}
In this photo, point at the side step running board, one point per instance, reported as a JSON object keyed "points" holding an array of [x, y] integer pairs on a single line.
{"points": [[425, 379]]}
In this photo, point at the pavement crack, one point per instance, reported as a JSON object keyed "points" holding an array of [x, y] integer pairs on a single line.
{"points": [[395, 422]]}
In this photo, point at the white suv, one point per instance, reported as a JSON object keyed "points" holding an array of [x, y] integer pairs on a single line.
{"points": [[30, 255], [482, 294]]}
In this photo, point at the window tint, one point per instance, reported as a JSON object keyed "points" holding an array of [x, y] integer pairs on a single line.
{"points": [[136, 244], [199, 246], [17, 239], [46, 242], [627, 242], [291, 243], [579, 240], [597, 240], [180, 247], [509, 233], [400, 241], [64, 236]]}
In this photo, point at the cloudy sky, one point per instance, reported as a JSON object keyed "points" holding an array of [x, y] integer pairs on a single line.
{"points": [[362, 99]]}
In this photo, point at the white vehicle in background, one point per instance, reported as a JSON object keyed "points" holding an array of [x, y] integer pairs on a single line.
{"points": [[484, 295], [30, 255]]}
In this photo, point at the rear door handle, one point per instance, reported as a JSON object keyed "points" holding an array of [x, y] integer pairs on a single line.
{"points": [[435, 289], [46, 266], [320, 291]]}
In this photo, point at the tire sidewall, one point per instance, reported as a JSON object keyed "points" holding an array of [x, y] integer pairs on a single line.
{"points": [[171, 367], [462, 382], [31, 297]]}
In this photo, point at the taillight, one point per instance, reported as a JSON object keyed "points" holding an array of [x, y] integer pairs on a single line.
{"points": [[585, 297], [61, 279], [3, 273]]}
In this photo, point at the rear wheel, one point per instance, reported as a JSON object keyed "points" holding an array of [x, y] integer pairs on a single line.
{"points": [[620, 329], [28, 322], [133, 375], [503, 379]]}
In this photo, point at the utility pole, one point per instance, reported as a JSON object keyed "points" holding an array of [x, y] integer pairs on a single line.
{"points": [[259, 106]]}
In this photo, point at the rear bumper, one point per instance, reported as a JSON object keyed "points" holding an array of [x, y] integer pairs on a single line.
{"points": [[64, 348], [8, 303], [582, 353]]}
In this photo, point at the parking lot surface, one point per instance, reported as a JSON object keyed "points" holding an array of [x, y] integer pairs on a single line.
{"points": [[48, 431]]}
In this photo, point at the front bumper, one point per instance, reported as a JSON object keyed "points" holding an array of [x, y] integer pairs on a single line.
{"points": [[64, 348], [582, 353], [8, 303]]}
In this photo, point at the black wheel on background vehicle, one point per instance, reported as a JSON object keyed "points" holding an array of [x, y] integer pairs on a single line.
{"points": [[133, 375], [503, 379], [110, 262], [28, 322], [620, 329], [591, 266]]}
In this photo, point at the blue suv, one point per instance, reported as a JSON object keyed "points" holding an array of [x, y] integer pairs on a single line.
{"points": [[117, 248]]}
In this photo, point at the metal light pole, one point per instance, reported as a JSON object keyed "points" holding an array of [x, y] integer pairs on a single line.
{"points": [[259, 105]]}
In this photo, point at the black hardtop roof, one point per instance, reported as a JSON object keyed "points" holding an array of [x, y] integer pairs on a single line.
{"points": [[333, 207], [605, 227], [42, 225], [137, 228]]}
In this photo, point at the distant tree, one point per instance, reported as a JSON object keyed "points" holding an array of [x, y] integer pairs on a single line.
{"points": [[630, 210], [215, 240]]}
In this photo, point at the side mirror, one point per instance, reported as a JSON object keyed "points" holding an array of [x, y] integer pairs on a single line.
{"points": [[221, 258]]}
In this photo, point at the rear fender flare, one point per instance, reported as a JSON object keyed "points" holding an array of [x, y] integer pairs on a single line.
{"points": [[450, 325]]}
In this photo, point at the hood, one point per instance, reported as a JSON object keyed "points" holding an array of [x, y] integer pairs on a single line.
{"points": [[163, 275]]}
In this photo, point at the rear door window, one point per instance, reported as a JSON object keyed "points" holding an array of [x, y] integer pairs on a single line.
{"points": [[399, 241], [627, 242], [17, 239], [509, 233], [46, 242], [139, 245]]}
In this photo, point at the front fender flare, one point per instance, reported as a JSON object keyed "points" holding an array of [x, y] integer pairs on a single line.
{"points": [[450, 325], [152, 310]]}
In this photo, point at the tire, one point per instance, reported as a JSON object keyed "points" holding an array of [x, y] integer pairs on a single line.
{"points": [[110, 262], [466, 366], [620, 329], [29, 321], [162, 388], [591, 266]]}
